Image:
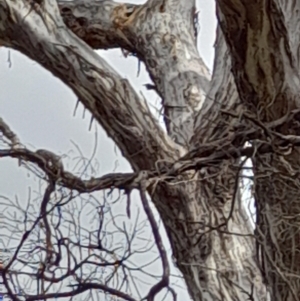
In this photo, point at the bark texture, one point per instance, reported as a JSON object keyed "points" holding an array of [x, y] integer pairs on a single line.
{"points": [[254, 86], [265, 61]]}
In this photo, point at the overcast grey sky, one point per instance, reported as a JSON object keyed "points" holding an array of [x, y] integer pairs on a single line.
{"points": [[39, 108]]}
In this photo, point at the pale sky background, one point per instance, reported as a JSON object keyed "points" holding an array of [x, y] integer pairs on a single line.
{"points": [[39, 108]]}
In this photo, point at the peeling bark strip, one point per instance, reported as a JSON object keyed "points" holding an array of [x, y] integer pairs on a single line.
{"points": [[253, 93]]}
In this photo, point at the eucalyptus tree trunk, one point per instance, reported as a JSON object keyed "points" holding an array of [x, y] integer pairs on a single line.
{"points": [[255, 83]]}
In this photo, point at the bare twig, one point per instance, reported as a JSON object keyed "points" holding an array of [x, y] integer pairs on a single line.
{"points": [[164, 282]]}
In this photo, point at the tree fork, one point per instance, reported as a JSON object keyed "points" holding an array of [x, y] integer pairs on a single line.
{"points": [[202, 214]]}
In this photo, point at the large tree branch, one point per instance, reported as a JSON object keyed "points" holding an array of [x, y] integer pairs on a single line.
{"points": [[208, 155], [260, 48], [111, 99], [220, 201], [95, 22], [162, 34], [222, 95], [264, 47]]}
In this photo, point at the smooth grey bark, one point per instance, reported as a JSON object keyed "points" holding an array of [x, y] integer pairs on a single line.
{"points": [[255, 81]]}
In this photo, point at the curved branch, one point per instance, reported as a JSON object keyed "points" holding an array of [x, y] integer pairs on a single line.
{"points": [[126, 181], [95, 22], [162, 34], [80, 289], [210, 153], [111, 99]]}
